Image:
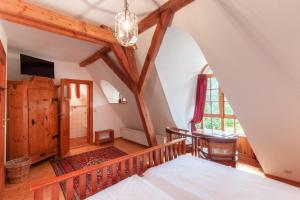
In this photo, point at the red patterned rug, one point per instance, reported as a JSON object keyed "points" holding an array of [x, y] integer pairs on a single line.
{"points": [[66, 165]]}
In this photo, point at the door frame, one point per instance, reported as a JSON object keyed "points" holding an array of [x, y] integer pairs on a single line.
{"points": [[3, 86], [67, 83]]}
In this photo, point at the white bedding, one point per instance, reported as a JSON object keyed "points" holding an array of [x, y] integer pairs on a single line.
{"points": [[190, 178], [132, 188]]}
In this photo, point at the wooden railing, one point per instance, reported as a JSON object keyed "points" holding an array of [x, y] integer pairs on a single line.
{"points": [[120, 168], [195, 141]]}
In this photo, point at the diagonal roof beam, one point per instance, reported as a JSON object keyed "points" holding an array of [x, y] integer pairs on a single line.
{"points": [[161, 28], [93, 58], [125, 63], [22, 12], [153, 18], [116, 69]]}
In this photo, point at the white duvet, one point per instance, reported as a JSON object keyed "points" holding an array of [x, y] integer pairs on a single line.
{"points": [[132, 188], [190, 178]]}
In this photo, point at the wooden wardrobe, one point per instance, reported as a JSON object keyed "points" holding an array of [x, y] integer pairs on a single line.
{"points": [[33, 119]]}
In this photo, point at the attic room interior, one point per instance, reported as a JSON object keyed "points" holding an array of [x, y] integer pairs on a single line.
{"points": [[149, 99]]}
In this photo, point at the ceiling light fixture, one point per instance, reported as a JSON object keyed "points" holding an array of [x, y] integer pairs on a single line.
{"points": [[126, 27]]}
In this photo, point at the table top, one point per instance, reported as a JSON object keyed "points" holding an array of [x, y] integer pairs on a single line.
{"points": [[215, 133]]}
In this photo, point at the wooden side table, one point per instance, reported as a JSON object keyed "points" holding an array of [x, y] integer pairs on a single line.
{"points": [[98, 134]]}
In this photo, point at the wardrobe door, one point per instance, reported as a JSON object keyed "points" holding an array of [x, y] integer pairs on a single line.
{"points": [[53, 147], [17, 125], [40, 135]]}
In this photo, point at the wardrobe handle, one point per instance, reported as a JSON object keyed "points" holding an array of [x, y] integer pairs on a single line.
{"points": [[42, 154], [55, 136], [33, 122]]}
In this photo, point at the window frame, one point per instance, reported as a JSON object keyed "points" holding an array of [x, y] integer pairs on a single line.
{"points": [[221, 102]]}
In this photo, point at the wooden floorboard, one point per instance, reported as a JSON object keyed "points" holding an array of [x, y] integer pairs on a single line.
{"points": [[78, 142]]}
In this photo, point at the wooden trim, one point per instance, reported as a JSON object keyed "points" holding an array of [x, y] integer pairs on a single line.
{"points": [[287, 181], [2, 115], [147, 156], [205, 67], [164, 21], [25, 13], [90, 104]]}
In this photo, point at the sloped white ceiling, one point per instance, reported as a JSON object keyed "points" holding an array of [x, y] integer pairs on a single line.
{"points": [[253, 48], [45, 44]]}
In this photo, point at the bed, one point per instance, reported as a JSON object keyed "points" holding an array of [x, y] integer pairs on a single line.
{"points": [[190, 178], [165, 172]]}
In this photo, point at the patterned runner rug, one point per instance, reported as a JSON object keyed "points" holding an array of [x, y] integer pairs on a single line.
{"points": [[68, 164]]}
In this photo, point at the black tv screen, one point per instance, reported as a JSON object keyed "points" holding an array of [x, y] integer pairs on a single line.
{"points": [[36, 67]]}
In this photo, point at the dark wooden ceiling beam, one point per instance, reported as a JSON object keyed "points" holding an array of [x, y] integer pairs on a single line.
{"points": [[145, 117], [161, 28], [97, 55], [22, 12], [154, 17], [124, 62]]}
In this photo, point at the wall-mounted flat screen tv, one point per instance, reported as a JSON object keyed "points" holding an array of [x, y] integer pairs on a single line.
{"points": [[36, 67]]}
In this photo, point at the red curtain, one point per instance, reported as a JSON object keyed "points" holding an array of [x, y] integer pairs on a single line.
{"points": [[200, 100]]}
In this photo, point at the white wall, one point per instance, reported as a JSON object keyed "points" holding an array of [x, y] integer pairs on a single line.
{"points": [[111, 93], [253, 48], [127, 112], [178, 63], [104, 116]]}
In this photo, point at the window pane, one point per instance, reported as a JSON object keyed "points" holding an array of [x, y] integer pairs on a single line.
{"points": [[216, 123], [215, 108], [207, 123], [209, 71], [239, 129], [214, 83], [229, 125], [225, 99], [207, 108], [228, 109], [208, 95], [198, 125], [214, 95], [208, 83]]}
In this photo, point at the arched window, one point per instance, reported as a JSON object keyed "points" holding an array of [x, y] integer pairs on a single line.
{"points": [[218, 114], [111, 93]]}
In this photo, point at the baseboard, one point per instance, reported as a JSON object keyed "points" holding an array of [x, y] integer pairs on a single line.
{"points": [[248, 161], [287, 181]]}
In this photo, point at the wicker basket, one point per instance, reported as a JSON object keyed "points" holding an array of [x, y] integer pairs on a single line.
{"points": [[17, 170]]}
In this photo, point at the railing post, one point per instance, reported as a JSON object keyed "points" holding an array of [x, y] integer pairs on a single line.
{"points": [[38, 194]]}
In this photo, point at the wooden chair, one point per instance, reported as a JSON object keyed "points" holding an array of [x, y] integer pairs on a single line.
{"points": [[192, 141], [220, 150]]}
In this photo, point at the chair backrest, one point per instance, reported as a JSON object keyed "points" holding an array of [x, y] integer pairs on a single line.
{"points": [[175, 133], [221, 147]]}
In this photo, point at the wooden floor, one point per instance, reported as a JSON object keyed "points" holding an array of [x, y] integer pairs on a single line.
{"points": [[78, 142], [44, 170]]}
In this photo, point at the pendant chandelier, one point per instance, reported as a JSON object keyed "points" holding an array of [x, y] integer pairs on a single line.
{"points": [[126, 27]]}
